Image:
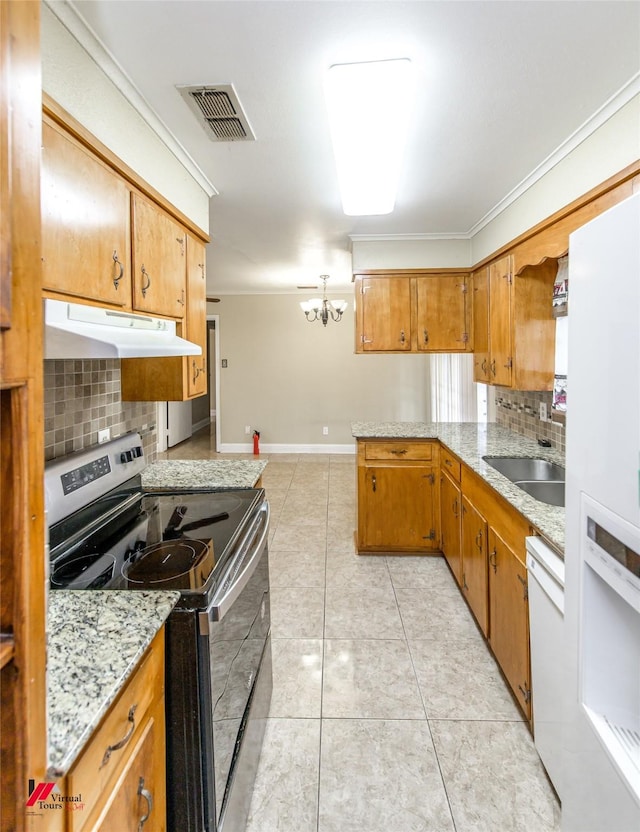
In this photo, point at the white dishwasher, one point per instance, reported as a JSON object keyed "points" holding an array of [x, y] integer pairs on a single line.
{"points": [[546, 623]]}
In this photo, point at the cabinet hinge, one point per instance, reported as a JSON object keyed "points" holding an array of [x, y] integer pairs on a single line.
{"points": [[430, 536], [465, 337], [463, 288], [526, 693], [509, 278], [509, 363]]}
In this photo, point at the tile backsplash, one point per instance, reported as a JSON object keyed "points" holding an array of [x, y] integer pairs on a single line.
{"points": [[520, 411], [81, 397]]}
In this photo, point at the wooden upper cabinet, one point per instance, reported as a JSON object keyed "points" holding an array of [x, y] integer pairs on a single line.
{"points": [[85, 223], [159, 260], [480, 301], [407, 312], [196, 316], [383, 312], [441, 313], [501, 356]]}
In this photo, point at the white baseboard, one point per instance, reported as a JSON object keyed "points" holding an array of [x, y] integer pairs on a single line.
{"points": [[275, 448], [201, 424]]}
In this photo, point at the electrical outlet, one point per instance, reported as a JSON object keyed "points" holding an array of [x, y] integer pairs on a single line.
{"points": [[247, 430], [104, 435], [325, 431], [543, 411]]}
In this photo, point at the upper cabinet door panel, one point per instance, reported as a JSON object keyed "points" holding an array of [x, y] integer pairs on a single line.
{"points": [[441, 313], [159, 261], [481, 325], [197, 315], [386, 314], [500, 322], [85, 223]]}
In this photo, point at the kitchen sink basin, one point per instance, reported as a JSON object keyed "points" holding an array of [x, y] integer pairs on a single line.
{"points": [[547, 491], [517, 469], [541, 479]]}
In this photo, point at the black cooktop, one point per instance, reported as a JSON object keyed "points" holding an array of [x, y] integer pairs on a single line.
{"points": [[157, 541]]}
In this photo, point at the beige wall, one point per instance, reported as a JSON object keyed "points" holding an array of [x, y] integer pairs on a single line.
{"points": [[288, 378], [411, 254], [73, 79]]}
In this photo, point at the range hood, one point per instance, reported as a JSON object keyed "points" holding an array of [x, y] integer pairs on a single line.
{"points": [[73, 330]]}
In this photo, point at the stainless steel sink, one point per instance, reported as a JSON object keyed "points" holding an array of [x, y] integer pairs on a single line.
{"points": [[547, 491], [524, 468], [541, 479]]}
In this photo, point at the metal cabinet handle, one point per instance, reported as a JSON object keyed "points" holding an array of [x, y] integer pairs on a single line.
{"points": [[402, 336], [373, 482], [121, 743], [479, 540], [201, 267], [196, 371], [149, 798], [493, 367], [118, 278], [493, 560], [145, 286], [455, 507], [426, 337], [180, 300], [484, 366], [398, 451], [448, 462]]}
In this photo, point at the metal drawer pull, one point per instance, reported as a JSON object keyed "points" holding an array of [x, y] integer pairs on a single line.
{"points": [[402, 336], [455, 507], [448, 462], [124, 740], [493, 560], [149, 798], [146, 285], [398, 451], [493, 366], [426, 337], [117, 279], [484, 366], [196, 371]]}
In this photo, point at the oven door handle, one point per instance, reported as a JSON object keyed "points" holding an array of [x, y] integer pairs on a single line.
{"points": [[240, 569]]}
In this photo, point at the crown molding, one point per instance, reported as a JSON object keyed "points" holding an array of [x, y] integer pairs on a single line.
{"points": [[68, 14], [374, 238]]}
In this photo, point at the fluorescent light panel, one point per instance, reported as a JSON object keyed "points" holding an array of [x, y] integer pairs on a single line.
{"points": [[369, 107]]}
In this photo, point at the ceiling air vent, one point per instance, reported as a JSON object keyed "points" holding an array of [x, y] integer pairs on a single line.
{"points": [[219, 111]]}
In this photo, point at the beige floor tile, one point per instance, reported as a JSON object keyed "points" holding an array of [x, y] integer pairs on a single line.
{"points": [[297, 612], [380, 776], [421, 571], [354, 612], [369, 679], [429, 614], [285, 794], [494, 777], [297, 678], [461, 680], [300, 538], [297, 568]]}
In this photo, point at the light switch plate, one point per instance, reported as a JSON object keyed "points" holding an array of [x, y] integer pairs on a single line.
{"points": [[543, 411], [104, 435]]}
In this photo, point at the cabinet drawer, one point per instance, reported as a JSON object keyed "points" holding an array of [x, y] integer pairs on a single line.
{"points": [[422, 451], [116, 736], [450, 464]]}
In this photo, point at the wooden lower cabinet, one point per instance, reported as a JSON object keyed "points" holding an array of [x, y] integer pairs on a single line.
{"points": [[475, 580], [121, 772], [451, 531], [398, 505], [509, 617]]}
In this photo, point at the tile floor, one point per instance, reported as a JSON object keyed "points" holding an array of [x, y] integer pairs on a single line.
{"points": [[388, 711]]}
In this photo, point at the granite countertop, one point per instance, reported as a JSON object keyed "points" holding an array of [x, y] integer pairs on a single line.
{"points": [[203, 474], [470, 441], [94, 641]]}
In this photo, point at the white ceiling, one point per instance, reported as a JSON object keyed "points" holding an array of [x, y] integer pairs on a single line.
{"points": [[501, 86]]}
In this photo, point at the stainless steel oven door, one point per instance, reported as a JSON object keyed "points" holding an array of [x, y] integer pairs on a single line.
{"points": [[239, 622]]}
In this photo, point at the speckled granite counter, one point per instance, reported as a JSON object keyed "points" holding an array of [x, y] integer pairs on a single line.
{"points": [[95, 640], [471, 441], [202, 473]]}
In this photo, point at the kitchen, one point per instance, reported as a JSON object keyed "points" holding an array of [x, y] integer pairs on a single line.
{"points": [[323, 381]]}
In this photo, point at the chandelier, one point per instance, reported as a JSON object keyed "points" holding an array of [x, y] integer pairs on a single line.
{"points": [[319, 309]]}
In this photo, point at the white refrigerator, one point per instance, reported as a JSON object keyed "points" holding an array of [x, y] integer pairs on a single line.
{"points": [[601, 736]]}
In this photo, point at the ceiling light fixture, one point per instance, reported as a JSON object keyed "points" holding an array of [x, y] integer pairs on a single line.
{"points": [[321, 308], [369, 106]]}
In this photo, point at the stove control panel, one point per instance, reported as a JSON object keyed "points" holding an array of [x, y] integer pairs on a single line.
{"points": [[79, 477]]}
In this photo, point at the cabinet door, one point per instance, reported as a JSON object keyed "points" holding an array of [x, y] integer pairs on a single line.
{"points": [[441, 313], [451, 503], [509, 617], [138, 795], [474, 563], [396, 508], [500, 346], [386, 314], [196, 316], [159, 261], [85, 223], [481, 326]]}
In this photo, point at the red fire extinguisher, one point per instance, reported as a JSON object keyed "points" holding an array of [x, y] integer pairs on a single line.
{"points": [[256, 442]]}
